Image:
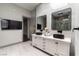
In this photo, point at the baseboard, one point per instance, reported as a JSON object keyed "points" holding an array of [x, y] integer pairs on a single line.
{"points": [[43, 51], [11, 44]]}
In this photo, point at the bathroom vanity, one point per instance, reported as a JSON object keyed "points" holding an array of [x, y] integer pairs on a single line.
{"points": [[57, 44], [51, 45]]}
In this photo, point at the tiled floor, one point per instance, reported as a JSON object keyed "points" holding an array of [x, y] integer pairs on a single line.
{"points": [[21, 49]]}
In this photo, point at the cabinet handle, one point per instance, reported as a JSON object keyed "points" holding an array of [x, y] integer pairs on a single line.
{"points": [[56, 42]]}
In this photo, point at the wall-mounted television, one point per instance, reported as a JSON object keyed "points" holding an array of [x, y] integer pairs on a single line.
{"points": [[39, 26], [11, 24]]}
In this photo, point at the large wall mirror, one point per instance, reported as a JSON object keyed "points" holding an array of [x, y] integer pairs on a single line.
{"points": [[61, 20], [41, 22]]}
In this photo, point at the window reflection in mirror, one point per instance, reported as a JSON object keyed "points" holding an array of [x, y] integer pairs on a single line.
{"points": [[61, 20]]}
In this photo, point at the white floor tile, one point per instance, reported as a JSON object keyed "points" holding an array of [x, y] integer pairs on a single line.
{"points": [[21, 49]]}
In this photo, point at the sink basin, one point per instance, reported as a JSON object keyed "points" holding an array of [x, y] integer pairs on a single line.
{"points": [[60, 36], [38, 33]]}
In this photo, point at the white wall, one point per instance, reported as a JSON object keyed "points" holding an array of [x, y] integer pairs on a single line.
{"points": [[75, 23], [32, 26], [13, 12], [46, 9]]}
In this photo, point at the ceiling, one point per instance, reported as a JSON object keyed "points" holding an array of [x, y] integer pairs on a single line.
{"points": [[28, 6]]}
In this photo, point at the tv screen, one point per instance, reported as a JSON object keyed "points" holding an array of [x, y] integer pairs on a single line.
{"points": [[39, 26], [10, 24]]}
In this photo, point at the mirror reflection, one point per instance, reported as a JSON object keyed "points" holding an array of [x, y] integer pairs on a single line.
{"points": [[61, 20]]}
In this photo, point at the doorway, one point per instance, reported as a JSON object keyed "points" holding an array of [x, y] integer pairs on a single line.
{"points": [[26, 29]]}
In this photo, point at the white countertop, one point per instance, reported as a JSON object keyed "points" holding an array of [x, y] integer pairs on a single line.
{"points": [[66, 39]]}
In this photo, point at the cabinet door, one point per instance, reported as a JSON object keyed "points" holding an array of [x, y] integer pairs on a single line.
{"points": [[40, 42], [34, 40], [63, 48], [51, 46]]}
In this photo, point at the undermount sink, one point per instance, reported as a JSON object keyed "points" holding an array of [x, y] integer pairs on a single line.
{"points": [[60, 36]]}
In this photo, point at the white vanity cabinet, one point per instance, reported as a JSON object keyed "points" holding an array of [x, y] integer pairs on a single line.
{"points": [[57, 47], [63, 48], [34, 40], [50, 46], [38, 42]]}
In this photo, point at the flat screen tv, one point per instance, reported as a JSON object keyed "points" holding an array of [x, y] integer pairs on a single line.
{"points": [[39, 26], [11, 25]]}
